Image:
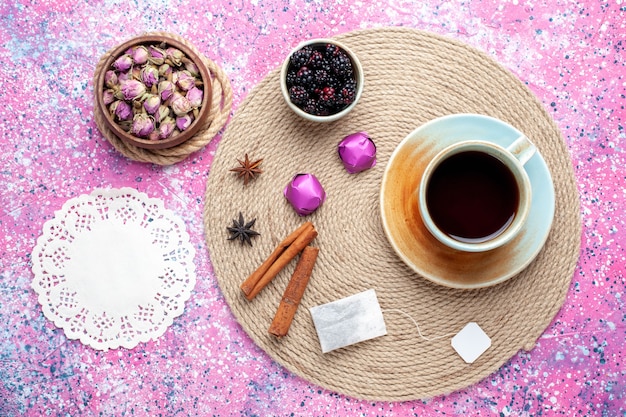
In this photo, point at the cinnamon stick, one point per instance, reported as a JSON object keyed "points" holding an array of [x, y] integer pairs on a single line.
{"points": [[294, 292], [281, 256]]}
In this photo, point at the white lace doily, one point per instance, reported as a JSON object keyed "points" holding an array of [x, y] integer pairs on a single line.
{"points": [[113, 268]]}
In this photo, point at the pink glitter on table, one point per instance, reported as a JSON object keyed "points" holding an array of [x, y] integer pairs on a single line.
{"points": [[571, 54]]}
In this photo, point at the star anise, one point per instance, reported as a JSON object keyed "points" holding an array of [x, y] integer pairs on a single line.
{"points": [[242, 230], [248, 170]]}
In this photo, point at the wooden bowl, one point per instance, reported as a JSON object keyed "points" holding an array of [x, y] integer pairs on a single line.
{"points": [[204, 110]]}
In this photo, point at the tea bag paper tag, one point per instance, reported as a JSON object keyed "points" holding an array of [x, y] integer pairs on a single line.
{"points": [[471, 342], [348, 320]]}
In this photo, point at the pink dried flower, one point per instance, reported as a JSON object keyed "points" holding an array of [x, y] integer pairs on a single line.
{"points": [[179, 104], [123, 63], [140, 55], [150, 75], [108, 97], [110, 79], [184, 80], [142, 126], [166, 89], [120, 110], [157, 55], [123, 111], [124, 76], [135, 73], [166, 128], [194, 95], [132, 90], [183, 122], [154, 135], [165, 71], [152, 103], [191, 67], [112, 108], [175, 56], [163, 112]]}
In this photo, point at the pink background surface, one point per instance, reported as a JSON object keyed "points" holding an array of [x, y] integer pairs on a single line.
{"points": [[570, 54]]}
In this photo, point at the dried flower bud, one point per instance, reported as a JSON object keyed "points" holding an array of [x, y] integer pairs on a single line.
{"points": [[123, 111], [150, 75], [120, 110], [152, 104], [140, 55], [110, 79], [166, 89], [183, 122], [165, 70], [123, 63], [184, 80], [191, 67], [163, 112], [166, 128], [142, 126], [157, 55], [194, 95], [132, 90], [180, 105], [112, 108], [108, 97], [124, 76], [154, 135], [135, 73], [175, 56]]}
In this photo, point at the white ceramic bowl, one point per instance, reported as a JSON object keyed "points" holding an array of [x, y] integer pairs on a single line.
{"points": [[358, 76]]}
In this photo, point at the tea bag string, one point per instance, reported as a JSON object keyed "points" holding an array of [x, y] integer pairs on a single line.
{"points": [[419, 332]]}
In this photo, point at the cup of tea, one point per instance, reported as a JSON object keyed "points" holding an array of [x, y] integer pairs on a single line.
{"points": [[475, 196]]}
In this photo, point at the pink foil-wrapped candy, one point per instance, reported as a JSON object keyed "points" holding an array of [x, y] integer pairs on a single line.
{"points": [[305, 193], [357, 152]]}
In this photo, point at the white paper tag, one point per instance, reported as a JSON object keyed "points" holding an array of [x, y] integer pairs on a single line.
{"points": [[471, 342], [348, 321]]}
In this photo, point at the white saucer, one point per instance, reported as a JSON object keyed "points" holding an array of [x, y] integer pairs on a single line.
{"points": [[414, 243]]}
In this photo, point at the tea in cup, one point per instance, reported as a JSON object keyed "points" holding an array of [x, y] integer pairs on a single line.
{"points": [[475, 195]]}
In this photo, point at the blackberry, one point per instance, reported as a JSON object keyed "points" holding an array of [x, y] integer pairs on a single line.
{"points": [[326, 93], [298, 95], [304, 78], [310, 106], [321, 77], [345, 97], [331, 50], [316, 60], [334, 82], [346, 93], [315, 107], [342, 66], [320, 110], [291, 78], [327, 97], [300, 57]]}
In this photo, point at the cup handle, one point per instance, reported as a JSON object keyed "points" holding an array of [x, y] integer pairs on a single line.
{"points": [[523, 149]]}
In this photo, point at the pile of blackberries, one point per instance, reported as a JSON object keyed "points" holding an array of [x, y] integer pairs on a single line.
{"points": [[321, 79]]}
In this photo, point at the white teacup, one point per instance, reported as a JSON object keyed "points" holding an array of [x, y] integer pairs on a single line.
{"points": [[475, 196]]}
